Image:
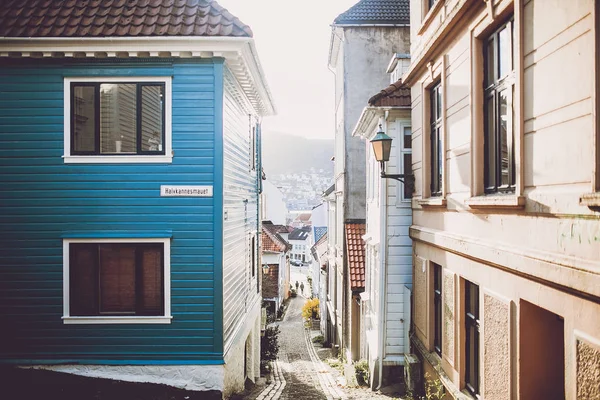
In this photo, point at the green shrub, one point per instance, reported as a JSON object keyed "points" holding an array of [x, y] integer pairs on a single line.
{"points": [[269, 343], [318, 339], [361, 368]]}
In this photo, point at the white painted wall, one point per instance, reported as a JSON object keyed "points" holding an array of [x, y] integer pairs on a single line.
{"points": [[388, 247], [274, 208], [319, 215]]}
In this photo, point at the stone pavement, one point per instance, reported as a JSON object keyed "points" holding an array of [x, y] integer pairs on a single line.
{"points": [[298, 373]]}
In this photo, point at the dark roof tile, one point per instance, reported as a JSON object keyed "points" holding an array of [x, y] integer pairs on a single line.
{"points": [[99, 18], [395, 95], [376, 12]]}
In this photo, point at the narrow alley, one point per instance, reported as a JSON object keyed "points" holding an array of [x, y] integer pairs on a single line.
{"points": [[299, 373]]}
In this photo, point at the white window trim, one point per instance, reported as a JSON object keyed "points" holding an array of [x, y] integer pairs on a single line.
{"points": [[166, 319], [400, 125], [111, 159]]}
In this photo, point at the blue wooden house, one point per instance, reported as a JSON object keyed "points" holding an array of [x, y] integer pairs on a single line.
{"points": [[130, 174]]}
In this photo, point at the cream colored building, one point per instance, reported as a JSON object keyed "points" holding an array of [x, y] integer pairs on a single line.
{"points": [[506, 213]]}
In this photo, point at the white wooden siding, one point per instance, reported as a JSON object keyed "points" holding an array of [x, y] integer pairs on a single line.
{"points": [[240, 203], [399, 249]]}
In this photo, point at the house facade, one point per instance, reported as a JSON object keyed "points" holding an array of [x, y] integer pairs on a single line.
{"points": [[273, 204], [362, 39], [506, 212], [299, 239], [385, 303], [276, 266], [130, 212]]}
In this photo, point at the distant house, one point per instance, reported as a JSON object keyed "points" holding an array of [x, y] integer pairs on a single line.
{"points": [[317, 253], [299, 238], [130, 175], [319, 273], [362, 40], [301, 220], [276, 266], [273, 204]]}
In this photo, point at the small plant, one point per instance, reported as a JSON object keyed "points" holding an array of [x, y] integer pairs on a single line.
{"points": [[434, 389], [310, 310], [293, 293], [318, 339], [335, 363], [269, 343], [361, 368]]}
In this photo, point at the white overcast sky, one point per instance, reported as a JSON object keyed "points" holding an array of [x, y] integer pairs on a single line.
{"points": [[292, 38]]}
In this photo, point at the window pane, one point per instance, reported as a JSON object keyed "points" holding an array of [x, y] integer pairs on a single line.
{"points": [[408, 181], [439, 102], [84, 122], [504, 52], [152, 118], [151, 298], [117, 279], [440, 162], [433, 106], [83, 259], [504, 155], [490, 153], [407, 137], [118, 118]]}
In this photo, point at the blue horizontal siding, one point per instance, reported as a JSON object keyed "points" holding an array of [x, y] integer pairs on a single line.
{"points": [[43, 199]]}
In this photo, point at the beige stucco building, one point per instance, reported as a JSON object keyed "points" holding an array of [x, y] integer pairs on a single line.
{"points": [[506, 212]]}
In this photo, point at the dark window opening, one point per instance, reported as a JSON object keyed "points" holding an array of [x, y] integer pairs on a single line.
{"points": [[499, 152], [437, 308], [117, 118], [472, 338], [435, 142], [116, 279]]}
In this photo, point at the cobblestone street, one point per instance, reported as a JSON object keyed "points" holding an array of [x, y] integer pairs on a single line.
{"points": [[299, 373]]}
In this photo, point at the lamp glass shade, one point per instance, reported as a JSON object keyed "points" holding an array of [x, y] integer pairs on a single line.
{"points": [[382, 146]]}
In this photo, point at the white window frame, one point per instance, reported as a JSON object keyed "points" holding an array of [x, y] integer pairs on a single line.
{"points": [[118, 159], [165, 319], [401, 124]]}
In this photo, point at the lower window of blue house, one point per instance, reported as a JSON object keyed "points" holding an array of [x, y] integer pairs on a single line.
{"points": [[116, 281]]}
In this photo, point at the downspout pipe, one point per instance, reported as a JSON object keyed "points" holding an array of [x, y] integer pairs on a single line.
{"points": [[382, 269]]}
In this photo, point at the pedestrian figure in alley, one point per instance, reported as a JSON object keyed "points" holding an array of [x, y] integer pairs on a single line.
{"points": [[297, 286], [302, 288]]}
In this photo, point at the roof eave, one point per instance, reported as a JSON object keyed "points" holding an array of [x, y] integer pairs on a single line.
{"points": [[367, 121], [239, 53]]}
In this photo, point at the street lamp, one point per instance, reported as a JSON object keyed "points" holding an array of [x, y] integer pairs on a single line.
{"points": [[382, 146]]}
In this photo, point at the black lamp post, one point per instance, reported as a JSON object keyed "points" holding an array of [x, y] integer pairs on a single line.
{"points": [[382, 146]]}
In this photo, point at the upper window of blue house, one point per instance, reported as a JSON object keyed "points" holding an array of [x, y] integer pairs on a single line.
{"points": [[117, 120]]}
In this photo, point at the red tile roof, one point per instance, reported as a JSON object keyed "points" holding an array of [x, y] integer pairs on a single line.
{"points": [[100, 18], [395, 95], [355, 253], [271, 240]]}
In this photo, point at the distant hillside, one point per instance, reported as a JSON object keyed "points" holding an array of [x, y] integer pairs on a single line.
{"points": [[285, 154]]}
